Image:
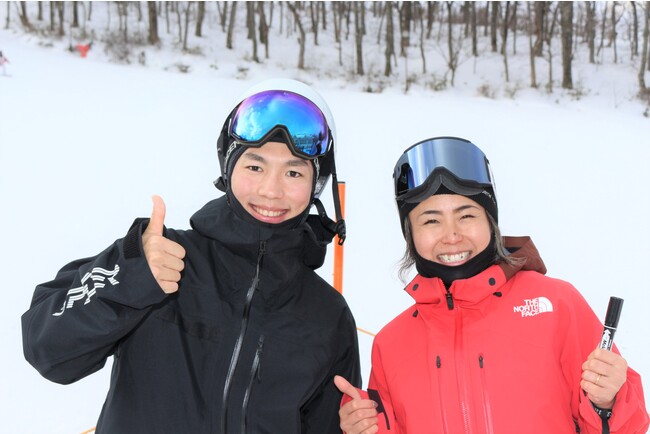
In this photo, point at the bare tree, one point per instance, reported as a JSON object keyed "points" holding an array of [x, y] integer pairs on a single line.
{"points": [[39, 17], [263, 28], [643, 89], [541, 8], [223, 15], [454, 45], [314, 12], [405, 17], [22, 14], [635, 31], [494, 25], [390, 39], [200, 16], [473, 29], [75, 14], [188, 8], [153, 23], [250, 25], [61, 9], [549, 37], [531, 48], [566, 26], [8, 18], [420, 15], [614, 34], [231, 25], [301, 38], [504, 40], [590, 29], [358, 36]]}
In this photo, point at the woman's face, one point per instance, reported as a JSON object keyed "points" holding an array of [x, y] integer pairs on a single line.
{"points": [[449, 229], [271, 183]]}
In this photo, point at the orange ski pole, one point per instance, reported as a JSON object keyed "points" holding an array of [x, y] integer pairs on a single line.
{"points": [[338, 248]]}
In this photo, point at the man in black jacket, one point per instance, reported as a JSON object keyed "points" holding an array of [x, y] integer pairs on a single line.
{"points": [[224, 328]]}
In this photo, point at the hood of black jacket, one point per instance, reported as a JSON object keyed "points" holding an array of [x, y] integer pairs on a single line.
{"points": [[306, 244]]}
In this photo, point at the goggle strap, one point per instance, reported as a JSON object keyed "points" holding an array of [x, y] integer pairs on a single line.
{"points": [[340, 222]]}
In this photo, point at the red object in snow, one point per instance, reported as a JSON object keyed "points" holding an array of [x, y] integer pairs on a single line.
{"points": [[83, 49]]}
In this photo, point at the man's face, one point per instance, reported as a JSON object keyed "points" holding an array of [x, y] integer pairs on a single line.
{"points": [[271, 183]]}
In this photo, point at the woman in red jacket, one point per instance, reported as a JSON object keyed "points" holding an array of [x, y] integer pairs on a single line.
{"points": [[491, 345]]}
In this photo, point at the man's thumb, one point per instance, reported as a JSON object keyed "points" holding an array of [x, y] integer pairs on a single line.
{"points": [[157, 216], [345, 387]]}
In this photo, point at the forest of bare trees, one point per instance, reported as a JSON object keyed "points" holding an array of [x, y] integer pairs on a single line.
{"points": [[551, 29]]}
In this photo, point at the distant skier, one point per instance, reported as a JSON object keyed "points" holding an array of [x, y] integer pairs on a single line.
{"points": [[83, 49], [3, 61]]}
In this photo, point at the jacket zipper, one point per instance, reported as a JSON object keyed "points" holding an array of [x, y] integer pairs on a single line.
{"points": [[443, 414], [240, 339], [487, 407], [460, 373], [255, 374]]}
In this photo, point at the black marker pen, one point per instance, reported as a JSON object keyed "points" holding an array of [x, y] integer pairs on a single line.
{"points": [[611, 322]]}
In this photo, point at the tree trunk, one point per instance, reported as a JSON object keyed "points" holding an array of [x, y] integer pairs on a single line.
{"points": [[473, 28], [40, 11], [200, 16], [504, 29], [153, 23], [250, 25], [90, 11], [231, 25], [531, 49], [452, 61], [614, 34], [358, 36], [549, 38], [313, 12], [540, 13], [494, 26], [263, 28], [504, 40], [75, 14], [8, 18], [590, 29], [405, 15], [301, 38], [635, 31], [643, 89], [602, 30], [566, 25], [24, 20], [61, 9], [390, 39], [52, 15], [188, 7]]}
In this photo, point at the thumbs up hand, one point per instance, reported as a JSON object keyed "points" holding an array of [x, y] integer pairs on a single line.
{"points": [[358, 416], [165, 257]]}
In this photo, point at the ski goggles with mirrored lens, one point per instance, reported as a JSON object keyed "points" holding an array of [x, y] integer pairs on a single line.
{"points": [[260, 116], [460, 158]]}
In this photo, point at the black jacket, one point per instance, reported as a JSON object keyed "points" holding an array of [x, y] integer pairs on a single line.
{"points": [[249, 344]]}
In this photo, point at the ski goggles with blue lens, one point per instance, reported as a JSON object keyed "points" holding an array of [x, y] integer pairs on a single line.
{"points": [[260, 116], [449, 155]]}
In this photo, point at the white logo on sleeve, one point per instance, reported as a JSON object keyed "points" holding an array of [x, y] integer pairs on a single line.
{"points": [[89, 283], [534, 306]]}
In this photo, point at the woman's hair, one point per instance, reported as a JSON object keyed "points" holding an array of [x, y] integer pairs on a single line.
{"points": [[408, 260]]}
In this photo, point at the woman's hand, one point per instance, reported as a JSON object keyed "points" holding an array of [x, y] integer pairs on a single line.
{"points": [[603, 374]]}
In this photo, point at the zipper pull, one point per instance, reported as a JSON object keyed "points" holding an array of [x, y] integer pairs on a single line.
{"points": [[450, 300], [480, 360], [260, 346], [438, 363]]}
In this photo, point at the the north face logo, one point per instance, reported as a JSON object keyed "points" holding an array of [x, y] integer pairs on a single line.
{"points": [[534, 307]]}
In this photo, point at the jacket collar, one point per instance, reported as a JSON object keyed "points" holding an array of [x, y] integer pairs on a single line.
{"points": [[471, 291]]}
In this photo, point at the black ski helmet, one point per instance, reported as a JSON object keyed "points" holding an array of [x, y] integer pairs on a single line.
{"points": [[229, 150], [443, 165]]}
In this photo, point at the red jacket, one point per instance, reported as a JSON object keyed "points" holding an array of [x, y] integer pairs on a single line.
{"points": [[506, 359]]}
